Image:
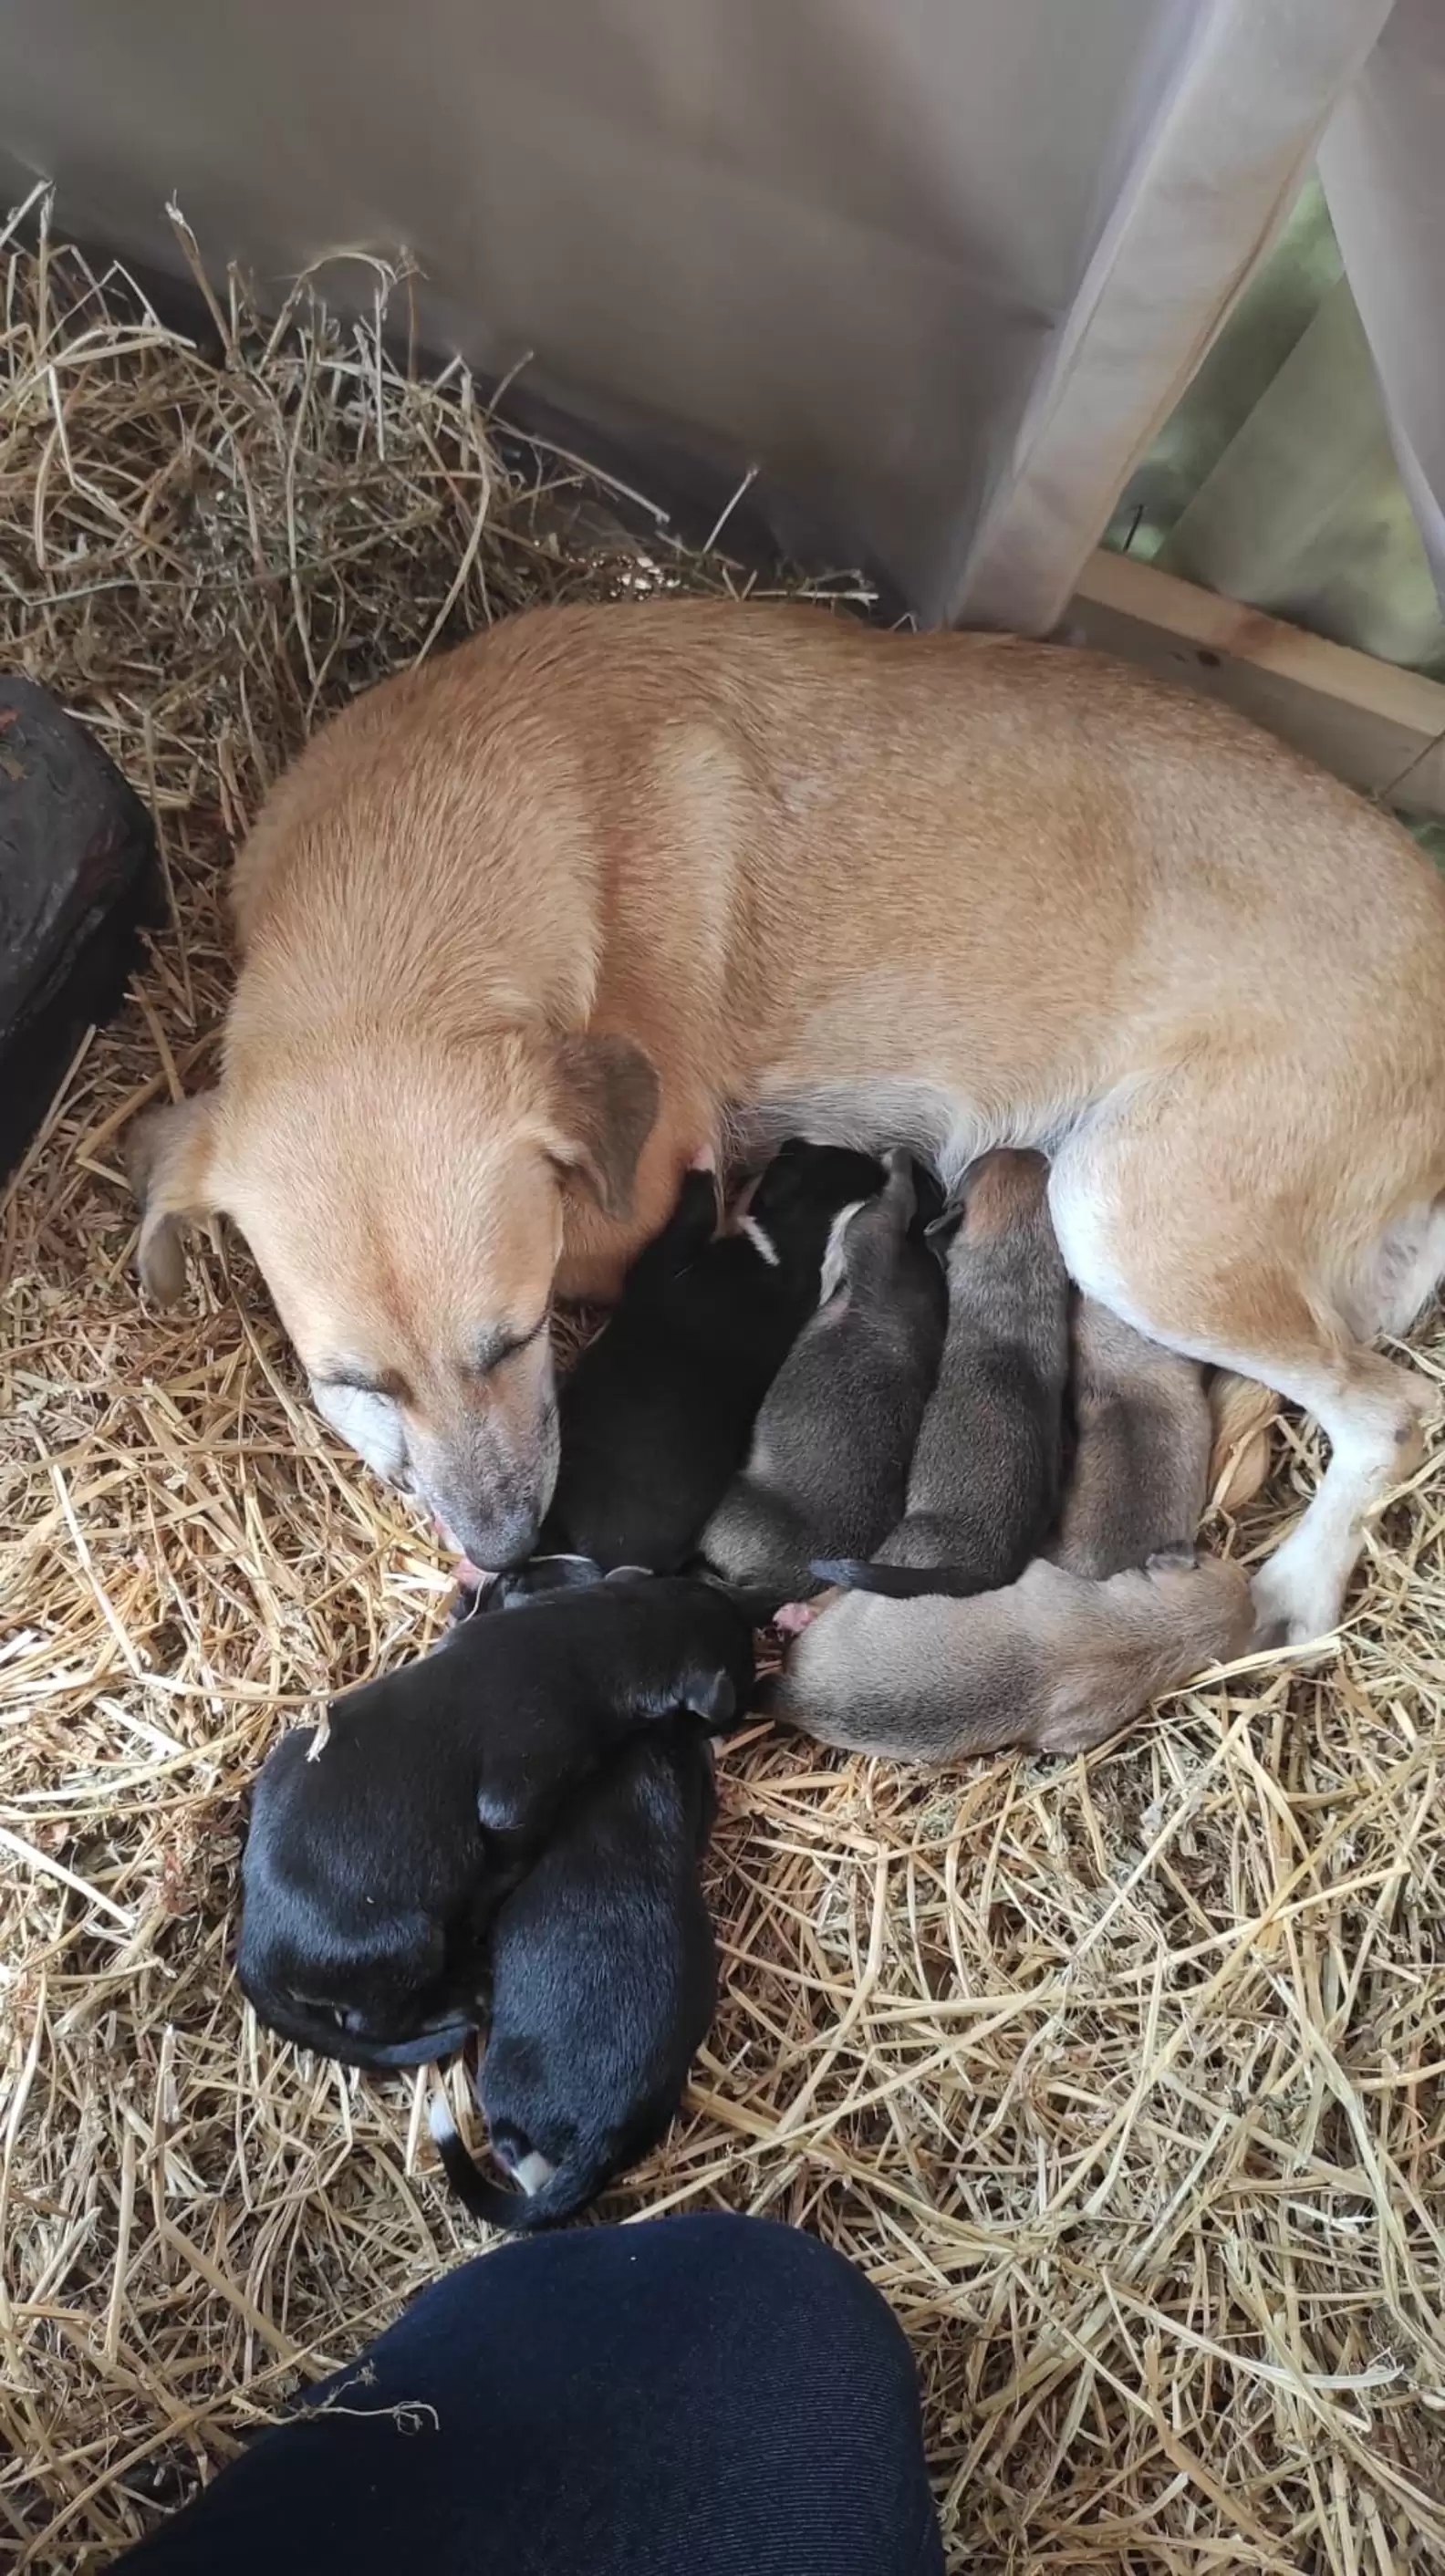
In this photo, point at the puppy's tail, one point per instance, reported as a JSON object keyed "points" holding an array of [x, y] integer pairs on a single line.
{"points": [[559, 2197], [897, 1582]]}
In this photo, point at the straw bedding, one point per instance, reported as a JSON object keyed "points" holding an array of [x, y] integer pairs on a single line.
{"points": [[1121, 2077]]}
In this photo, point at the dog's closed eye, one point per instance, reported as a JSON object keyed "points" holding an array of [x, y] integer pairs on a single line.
{"points": [[347, 1379], [502, 1342]]}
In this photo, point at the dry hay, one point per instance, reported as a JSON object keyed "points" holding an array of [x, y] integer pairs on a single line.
{"points": [[1121, 2077]]}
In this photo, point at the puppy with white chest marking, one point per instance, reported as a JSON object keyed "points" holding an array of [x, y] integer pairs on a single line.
{"points": [[1053, 1661], [828, 1468], [603, 1981], [1143, 1430], [658, 1412], [381, 1846], [983, 1488]]}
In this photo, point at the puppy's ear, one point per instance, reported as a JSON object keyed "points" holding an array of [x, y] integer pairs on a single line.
{"points": [[712, 1697], [170, 1159], [606, 1097], [900, 1194]]}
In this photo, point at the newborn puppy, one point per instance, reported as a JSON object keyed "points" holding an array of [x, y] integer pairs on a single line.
{"points": [[657, 1414], [828, 1468], [381, 1845], [1052, 1661], [984, 1485], [1142, 1438], [603, 1980], [540, 1574]]}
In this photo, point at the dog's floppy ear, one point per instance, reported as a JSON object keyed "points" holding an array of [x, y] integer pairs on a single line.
{"points": [[606, 1097], [169, 1156]]}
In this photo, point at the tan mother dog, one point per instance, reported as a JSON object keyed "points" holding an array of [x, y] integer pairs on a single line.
{"points": [[523, 929]]}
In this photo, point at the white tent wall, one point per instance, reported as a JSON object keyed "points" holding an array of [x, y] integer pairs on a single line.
{"points": [[938, 270]]}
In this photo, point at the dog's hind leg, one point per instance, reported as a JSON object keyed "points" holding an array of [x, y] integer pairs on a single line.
{"points": [[1152, 1208]]}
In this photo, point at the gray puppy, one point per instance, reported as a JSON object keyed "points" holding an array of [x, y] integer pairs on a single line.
{"points": [[1053, 1661], [984, 1487], [1143, 1432], [828, 1467]]}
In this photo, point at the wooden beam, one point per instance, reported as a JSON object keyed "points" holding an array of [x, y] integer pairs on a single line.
{"points": [[1381, 728]]}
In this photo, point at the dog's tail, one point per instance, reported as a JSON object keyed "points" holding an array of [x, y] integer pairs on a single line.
{"points": [[560, 2196], [897, 1582]]}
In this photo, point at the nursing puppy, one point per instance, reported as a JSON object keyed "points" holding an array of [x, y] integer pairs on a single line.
{"points": [[1143, 1434], [1053, 1661], [540, 1576], [522, 929], [381, 1846], [603, 1980], [657, 1413], [828, 1467], [983, 1489]]}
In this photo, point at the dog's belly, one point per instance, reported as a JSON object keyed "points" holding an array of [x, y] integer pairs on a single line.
{"points": [[947, 1128]]}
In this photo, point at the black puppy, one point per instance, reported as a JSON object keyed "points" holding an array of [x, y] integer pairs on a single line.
{"points": [[540, 1575], [381, 1845], [603, 1980], [983, 1490], [657, 1414], [831, 1450]]}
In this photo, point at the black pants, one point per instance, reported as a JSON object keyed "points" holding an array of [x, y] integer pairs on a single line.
{"points": [[708, 2396]]}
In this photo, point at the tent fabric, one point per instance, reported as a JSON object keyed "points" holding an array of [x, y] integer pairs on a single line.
{"points": [[1211, 181], [934, 274], [1383, 166]]}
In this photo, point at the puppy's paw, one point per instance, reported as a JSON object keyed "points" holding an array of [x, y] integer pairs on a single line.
{"points": [[794, 1617]]}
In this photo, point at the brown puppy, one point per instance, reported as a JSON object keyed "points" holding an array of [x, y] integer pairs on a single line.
{"points": [[1143, 1429], [983, 1486], [828, 1467], [1054, 1662], [520, 927]]}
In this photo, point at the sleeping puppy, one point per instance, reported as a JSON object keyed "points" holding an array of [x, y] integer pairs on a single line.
{"points": [[828, 1468], [657, 1414], [603, 1980], [1053, 1661], [984, 1485], [381, 1845], [540, 1575], [1143, 1432]]}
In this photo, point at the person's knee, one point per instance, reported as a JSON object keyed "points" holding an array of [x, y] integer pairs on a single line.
{"points": [[813, 2321], [741, 2293]]}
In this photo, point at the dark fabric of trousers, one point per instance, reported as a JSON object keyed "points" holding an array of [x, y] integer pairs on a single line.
{"points": [[701, 2396]]}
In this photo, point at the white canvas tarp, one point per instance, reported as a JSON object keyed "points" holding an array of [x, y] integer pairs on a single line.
{"points": [[938, 269]]}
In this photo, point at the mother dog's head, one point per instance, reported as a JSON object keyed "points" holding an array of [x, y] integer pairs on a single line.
{"points": [[405, 1199]]}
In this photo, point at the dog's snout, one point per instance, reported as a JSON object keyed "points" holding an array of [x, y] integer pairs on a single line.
{"points": [[489, 1479], [494, 1542]]}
